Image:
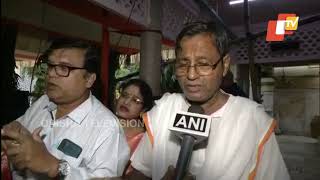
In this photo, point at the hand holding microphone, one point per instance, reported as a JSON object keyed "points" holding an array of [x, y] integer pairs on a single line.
{"points": [[171, 174]]}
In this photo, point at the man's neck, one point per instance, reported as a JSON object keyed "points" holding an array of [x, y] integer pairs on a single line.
{"points": [[65, 108], [215, 102]]}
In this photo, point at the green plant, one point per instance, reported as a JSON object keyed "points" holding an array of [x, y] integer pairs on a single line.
{"points": [[126, 70], [40, 73], [168, 79], [40, 76]]}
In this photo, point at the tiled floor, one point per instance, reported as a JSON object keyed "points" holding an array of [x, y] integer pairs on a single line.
{"points": [[302, 156]]}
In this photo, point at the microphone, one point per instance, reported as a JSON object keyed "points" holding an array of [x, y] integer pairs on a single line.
{"points": [[193, 126]]}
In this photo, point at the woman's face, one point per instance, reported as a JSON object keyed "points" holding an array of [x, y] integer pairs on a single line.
{"points": [[130, 103]]}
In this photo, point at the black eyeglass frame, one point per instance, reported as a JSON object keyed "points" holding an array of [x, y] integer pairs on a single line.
{"points": [[55, 66], [213, 67]]}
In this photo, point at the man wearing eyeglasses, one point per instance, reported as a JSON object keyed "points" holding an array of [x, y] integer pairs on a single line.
{"points": [[241, 144], [67, 133]]}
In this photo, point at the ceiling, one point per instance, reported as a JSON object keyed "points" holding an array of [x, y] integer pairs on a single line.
{"points": [[308, 70], [263, 10]]}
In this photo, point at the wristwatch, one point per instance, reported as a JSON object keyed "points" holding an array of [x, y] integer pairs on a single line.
{"points": [[63, 169]]}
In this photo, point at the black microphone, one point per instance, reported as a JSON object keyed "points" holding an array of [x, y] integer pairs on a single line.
{"points": [[193, 127]]}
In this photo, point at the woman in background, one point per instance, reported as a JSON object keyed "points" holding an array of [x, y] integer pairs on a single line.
{"points": [[135, 99]]}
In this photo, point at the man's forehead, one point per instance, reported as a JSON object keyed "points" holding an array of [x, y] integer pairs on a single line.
{"points": [[67, 55], [199, 52], [207, 36], [197, 41]]}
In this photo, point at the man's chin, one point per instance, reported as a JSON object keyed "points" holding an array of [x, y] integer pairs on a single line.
{"points": [[53, 97], [194, 98]]}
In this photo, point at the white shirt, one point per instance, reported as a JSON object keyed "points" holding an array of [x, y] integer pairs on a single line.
{"points": [[240, 145], [91, 126]]}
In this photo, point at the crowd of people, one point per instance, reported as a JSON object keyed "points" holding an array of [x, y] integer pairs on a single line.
{"points": [[70, 134]]}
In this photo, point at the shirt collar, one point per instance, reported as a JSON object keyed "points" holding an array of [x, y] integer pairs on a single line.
{"points": [[78, 114], [50, 106]]}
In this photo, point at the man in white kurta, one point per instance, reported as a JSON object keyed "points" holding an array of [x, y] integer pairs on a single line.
{"points": [[241, 144]]}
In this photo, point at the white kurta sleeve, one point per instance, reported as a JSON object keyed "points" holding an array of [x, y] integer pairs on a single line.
{"points": [[141, 159], [272, 165]]}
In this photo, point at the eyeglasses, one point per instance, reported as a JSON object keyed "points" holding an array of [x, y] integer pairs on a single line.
{"points": [[132, 98], [61, 70], [203, 69]]}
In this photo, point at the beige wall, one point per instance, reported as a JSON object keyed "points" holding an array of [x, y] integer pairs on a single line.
{"points": [[296, 102]]}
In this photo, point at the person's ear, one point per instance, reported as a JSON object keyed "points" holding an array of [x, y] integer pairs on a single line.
{"points": [[226, 64], [91, 78]]}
